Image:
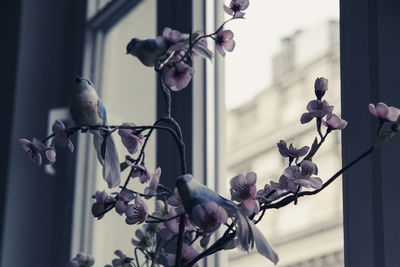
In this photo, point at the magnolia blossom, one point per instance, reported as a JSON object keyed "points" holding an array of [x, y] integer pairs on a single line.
{"points": [[320, 87], [38, 152], [295, 176], [334, 122], [121, 261], [316, 109], [243, 189], [224, 41], [171, 227], [144, 240], [123, 199], [173, 39], [383, 112], [130, 138], [177, 75], [291, 152], [62, 138], [208, 216], [139, 171], [188, 254], [81, 260], [152, 188], [236, 7], [175, 201], [136, 213], [268, 194], [103, 201]]}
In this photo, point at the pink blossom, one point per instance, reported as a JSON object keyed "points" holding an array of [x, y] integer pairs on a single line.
{"points": [[123, 199], [171, 227], [268, 194], [243, 189], [177, 75], [81, 260], [136, 213], [62, 137], [236, 7], [188, 254], [175, 201], [316, 109], [173, 39], [383, 112], [122, 260], [295, 176], [334, 122], [208, 216], [103, 201], [144, 240], [291, 152], [224, 41], [139, 171], [320, 87], [152, 188], [130, 138], [38, 152]]}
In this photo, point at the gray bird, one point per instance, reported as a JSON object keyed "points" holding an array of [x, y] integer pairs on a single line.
{"points": [[193, 193]]}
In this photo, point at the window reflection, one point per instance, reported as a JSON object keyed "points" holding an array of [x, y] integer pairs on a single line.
{"points": [[281, 48]]}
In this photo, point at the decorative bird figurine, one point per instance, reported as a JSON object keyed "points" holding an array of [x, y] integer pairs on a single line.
{"points": [[145, 50], [87, 109], [193, 193]]}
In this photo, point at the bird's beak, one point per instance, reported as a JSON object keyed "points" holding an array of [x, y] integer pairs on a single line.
{"points": [[78, 79]]}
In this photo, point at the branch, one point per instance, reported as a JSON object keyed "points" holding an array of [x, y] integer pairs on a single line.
{"points": [[292, 198]]}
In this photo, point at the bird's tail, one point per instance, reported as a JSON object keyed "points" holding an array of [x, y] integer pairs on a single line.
{"points": [[248, 234], [108, 157]]}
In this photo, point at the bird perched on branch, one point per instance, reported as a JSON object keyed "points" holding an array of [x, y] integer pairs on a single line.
{"points": [[193, 193], [87, 110]]}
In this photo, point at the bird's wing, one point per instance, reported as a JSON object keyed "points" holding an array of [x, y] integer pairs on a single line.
{"points": [[102, 111]]}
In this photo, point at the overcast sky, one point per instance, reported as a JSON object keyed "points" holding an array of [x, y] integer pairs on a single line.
{"points": [[248, 67]]}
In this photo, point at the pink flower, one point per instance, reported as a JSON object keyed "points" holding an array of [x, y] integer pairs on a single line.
{"points": [[144, 240], [171, 227], [224, 41], [136, 213], [81, 260], [175, 201], [177, 75], [334, 122], [316, 109], [103, 202], [383, 112], [152, 188], [267, 194], [173, 39], [38, 152], [122, 260], [123, 199], [139, 171], [243, 189], [294, 176], [62, 137], [291, 152], [188, 254], [236, 7], [320, 87], [130, 138], [208, 216]]}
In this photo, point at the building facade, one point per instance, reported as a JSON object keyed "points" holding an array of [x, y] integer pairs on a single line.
{"points": [[309, 233]]}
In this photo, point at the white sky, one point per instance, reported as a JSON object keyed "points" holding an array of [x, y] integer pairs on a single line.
{"points": [[248, 67]]}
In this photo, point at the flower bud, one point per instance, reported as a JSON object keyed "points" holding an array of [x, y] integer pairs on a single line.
{"points": [[320, 86]]}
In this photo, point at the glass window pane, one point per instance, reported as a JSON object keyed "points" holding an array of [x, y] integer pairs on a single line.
{"points": [[281, 47], [129, 92]]}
